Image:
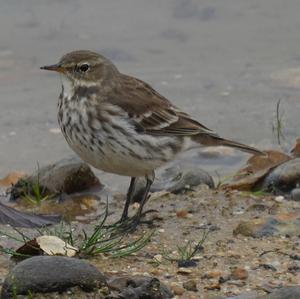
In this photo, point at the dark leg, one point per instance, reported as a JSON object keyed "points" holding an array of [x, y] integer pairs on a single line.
{"points": [[128, 199], [130, 224], [137, 217], [144, 198]]}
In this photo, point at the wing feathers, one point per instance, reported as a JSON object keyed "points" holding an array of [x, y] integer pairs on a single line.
{"points": [[153, 112]]}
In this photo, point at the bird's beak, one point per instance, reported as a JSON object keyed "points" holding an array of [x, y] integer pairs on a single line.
{"points": [[54, 67]]}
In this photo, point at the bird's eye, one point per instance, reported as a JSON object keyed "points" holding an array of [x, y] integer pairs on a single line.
{"points": [[84, 67]]}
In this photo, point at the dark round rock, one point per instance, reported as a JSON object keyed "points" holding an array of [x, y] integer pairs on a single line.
{"points": [[283, 178], [295, 194], [45, 274]]}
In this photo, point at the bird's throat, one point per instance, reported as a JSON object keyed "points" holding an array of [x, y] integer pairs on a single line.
{"points": [[67, 87]]}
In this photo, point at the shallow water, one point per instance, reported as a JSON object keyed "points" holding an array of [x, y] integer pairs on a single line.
{"points": [[215, 59]]}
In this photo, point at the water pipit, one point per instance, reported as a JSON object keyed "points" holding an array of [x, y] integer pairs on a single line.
{"points": [[120, 124]]}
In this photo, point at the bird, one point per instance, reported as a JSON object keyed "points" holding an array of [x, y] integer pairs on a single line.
{"points": [[120, 124]]}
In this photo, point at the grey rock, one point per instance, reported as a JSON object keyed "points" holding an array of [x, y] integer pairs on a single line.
{"points": [[277, 225], [284, 177], [284, 293], [295, 194], [248, 295], [68, 175], [136, 287], [46, 274], [176, 179]]}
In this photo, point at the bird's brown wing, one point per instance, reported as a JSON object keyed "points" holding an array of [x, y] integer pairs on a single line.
{"points": [[153, 112]]}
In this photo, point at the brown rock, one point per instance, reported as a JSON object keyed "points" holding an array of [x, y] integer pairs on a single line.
{"points": [[211, 287], [177, 289], [11, 178], [212, 274], [182, 213], [239, 274], [233, 254], [256, 169]]}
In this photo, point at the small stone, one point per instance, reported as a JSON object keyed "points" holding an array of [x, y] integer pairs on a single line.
{"points": [[184, 271], [233, 254], [158, 258], [212, 274], [239, 274], [182, 213], [187, 263], [279, 198], [211, 287], [268, 267], [177, 289], [190, 285]]}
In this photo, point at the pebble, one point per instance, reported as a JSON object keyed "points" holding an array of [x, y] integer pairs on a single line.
{"points": [[233, 254], [279, 198], [212, 274], [182, 213], [158, 258], [239, 274], [184, 271], [190, 285], [215, 286], [176, 288]]}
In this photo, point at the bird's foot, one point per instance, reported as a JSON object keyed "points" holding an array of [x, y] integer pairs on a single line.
{"points": [[130, 224]]}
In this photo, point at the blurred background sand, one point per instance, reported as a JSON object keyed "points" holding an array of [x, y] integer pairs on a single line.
{"points": [[225, 62]]}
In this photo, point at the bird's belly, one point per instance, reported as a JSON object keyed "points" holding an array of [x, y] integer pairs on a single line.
{"points": [[136, 160]]}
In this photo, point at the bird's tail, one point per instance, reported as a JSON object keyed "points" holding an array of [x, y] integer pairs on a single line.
{"points": [[215, 140]]}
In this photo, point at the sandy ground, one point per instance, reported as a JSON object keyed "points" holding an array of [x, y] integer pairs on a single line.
{"points": [[185, 218]]}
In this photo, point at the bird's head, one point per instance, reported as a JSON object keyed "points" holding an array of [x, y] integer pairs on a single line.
{"points": [[84, 67]]}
